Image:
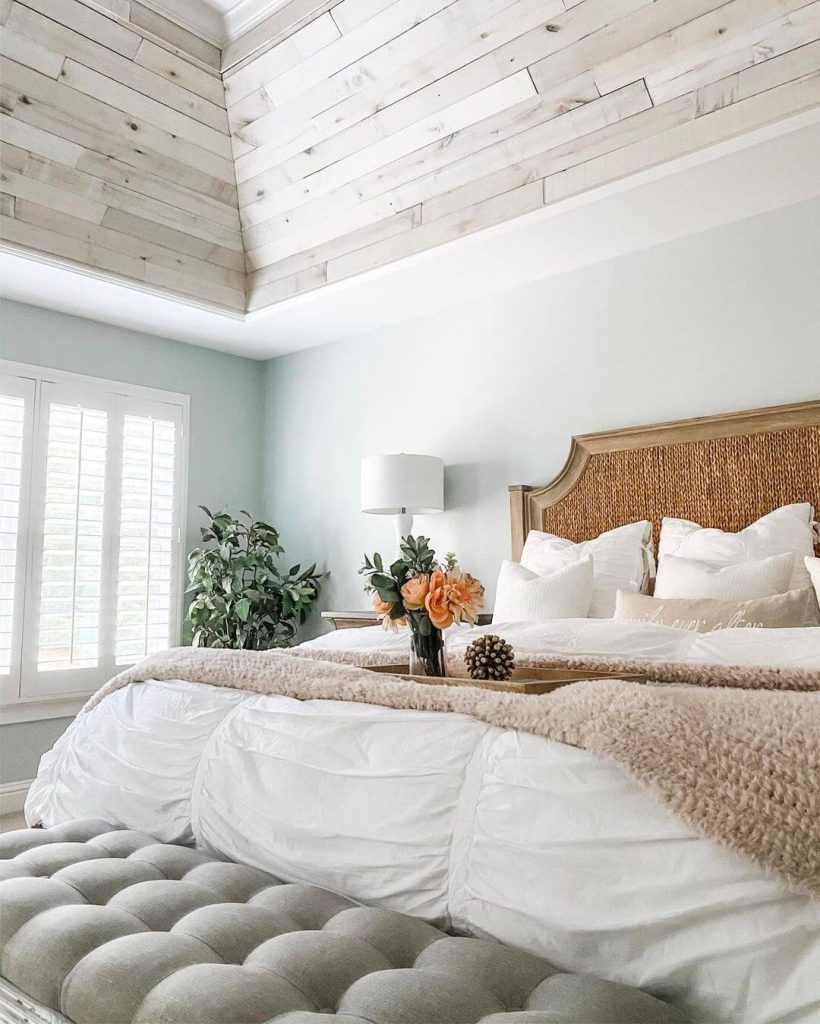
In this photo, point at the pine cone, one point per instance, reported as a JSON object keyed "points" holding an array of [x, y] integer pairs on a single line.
{"points": [[489, 657]]}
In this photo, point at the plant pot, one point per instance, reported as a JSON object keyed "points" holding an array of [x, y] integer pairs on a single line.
{"points": [[427, 653]]}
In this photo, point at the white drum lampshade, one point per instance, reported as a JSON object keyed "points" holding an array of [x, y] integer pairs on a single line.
{"points": [[402, 486]]}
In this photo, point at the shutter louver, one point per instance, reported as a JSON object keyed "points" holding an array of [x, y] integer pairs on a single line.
{"points": [[72, 547], [12, 430], [146, 537]]}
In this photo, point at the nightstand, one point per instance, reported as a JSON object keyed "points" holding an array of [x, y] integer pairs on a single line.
{"points": [[355, 620], [351, 620]]}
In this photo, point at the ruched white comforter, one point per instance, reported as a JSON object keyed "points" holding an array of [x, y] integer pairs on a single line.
{"points": [[488, 831]]}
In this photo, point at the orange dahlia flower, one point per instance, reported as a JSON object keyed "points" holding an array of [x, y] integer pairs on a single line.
{"points": [[415, 592], [465, 596]]}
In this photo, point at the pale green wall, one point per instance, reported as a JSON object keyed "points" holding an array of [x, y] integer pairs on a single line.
{"points": [[725, 320], [225, 459]]}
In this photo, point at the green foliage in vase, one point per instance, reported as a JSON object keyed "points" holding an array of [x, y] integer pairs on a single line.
{"points": [[241, 598]]}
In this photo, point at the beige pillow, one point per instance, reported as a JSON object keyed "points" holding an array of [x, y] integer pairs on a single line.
{"points": [[702, 614]]}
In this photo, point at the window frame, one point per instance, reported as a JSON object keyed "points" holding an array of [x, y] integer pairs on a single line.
{"points": [[62, 701]]}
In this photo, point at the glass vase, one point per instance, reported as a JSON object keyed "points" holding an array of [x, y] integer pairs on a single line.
{"points": [[427, 653]]}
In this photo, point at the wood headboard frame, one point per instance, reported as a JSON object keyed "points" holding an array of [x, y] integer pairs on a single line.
{"points": [[723, 471]]}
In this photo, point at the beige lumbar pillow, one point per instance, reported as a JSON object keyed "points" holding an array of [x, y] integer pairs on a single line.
{"points": [[702, 614]]}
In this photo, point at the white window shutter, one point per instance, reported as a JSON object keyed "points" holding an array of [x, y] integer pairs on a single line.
{"points": [[17, 395], [148, 535]]}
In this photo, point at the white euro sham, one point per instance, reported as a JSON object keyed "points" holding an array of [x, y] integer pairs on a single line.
{"points": [[745, 581]]}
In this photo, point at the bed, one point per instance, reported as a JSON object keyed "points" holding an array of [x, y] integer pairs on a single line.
{"points": [[468, 822]]}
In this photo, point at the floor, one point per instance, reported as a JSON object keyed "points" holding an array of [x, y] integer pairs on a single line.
{"points": [[9, 822]]}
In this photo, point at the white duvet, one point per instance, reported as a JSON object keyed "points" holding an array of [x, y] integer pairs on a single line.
{"points": [[485, 830]]}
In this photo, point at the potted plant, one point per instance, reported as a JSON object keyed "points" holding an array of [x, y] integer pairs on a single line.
{"points": [[240, 596], [428, 596]]}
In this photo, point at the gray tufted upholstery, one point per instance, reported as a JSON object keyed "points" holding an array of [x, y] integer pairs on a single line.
{"points": [[108, 927]]}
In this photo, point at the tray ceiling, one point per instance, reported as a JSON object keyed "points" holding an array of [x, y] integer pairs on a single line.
{"points": [[334, 138]]}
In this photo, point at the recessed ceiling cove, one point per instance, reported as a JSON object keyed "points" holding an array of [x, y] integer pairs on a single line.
{"points": [[241, 154]]}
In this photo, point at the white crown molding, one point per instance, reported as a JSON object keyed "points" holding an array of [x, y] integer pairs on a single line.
{"points": [[196, 16], [212, 24]]}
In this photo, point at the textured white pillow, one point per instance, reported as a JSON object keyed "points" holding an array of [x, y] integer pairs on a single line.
{"points": [[786, 529], [524, 596], [622, 561], [746, 581]]}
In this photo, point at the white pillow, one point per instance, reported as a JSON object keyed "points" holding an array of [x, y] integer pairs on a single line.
{"points": [[524, 596], [622, 561], [786, 529], [746, 581]]}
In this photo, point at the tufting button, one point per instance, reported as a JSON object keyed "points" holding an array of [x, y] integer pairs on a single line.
{"points": [[398, 937], [108, 985], [44, 950], [320, 964], [100, 880], [311, 906], [160, 904], [220, 994], [234, 930]]}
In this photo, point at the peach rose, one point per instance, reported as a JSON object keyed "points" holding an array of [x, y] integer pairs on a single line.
{"points": [[465, 596], [382, 607], [415, 591], [437, 601]]}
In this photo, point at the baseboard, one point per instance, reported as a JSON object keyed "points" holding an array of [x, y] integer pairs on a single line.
{"points": [[13, 796]]}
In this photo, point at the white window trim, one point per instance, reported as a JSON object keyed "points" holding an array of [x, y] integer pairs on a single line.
{"points": [[33, 708]]}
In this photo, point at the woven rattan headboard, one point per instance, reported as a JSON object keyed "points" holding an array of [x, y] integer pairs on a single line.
{"points": [[722, 471]]}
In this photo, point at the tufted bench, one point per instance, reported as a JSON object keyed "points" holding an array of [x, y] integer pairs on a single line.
{"points": [[108, 926]]}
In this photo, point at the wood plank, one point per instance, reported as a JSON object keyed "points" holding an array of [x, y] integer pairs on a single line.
{"points": [[438, 168], [170, 238], [272, 30], [708, 37], [6, 205], [459, 85], [24, 186], [349, 14], [207, 291], [87, 22], [31, 53], [119, 8], [12, 158], [483, 104], [113, 65], [422, 56], [85, 135], [180, 71], [165, 191], [175, 35], [120, 198], [39, 142], [758, 78], [390, 23], [736, 119], [106, 122], [628, 31], [770, 40], [289, 53], [494, 211], [607, 139], [145, 251], [5, 10], [395, 224], [91, 83], [53, 244]]}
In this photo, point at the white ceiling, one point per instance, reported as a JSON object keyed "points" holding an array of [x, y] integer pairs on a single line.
{"points": [[774, 168], [218, 21]]}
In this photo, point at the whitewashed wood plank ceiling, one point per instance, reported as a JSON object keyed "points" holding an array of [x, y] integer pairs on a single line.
{"points": [[336, 137]]}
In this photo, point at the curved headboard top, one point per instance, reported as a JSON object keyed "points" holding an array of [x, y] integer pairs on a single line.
{"points": [[722, 471]]}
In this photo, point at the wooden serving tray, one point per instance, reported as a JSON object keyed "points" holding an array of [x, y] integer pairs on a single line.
{"points": [[524, 680]]}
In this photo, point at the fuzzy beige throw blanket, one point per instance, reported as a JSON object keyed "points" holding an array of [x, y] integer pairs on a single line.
{"points": [[739, 765]]}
